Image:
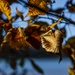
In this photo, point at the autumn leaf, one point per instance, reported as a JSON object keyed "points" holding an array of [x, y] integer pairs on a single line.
{"points": [[71, 71], [15, 39], [53, 24], [34, 41], [39, 27], [1, 23], [52, 42], [36, 12], [43, 26], [33, 33], [69, 49], [5, 25], [19, 14], [4, 7], [42, 4]]}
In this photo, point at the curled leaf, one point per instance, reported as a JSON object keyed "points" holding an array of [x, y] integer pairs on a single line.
{"points": [[19, 14]]}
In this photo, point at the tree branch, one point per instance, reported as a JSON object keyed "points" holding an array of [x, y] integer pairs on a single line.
{"points": [[50, 13]]}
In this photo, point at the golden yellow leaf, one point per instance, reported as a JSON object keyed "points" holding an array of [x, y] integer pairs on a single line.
{"points": [[4, 7], [34, 2], [42, 4], [53, 24], [33, 12]]}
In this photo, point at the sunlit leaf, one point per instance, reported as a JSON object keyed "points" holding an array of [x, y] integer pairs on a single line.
{"points": [[42, 4], [53, 24], [52, 41], [33, 12], [36, 67], [4, 7]]}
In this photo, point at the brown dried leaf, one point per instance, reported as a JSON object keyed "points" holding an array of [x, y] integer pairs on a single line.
{"points": [[32, 31], [52, 41], [5, 25], [71, 8], [1, 23], [4, 7], [15, 39], [34, 41]]}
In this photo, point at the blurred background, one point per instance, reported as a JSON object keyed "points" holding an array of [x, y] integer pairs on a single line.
{"points": [[38, 62]]}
